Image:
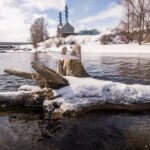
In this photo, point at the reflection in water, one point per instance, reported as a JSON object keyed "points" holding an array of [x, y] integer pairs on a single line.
{"points": [[120, 68], [136, 69], [20, 61], [94, 131], [45, 59], [35, 57]]}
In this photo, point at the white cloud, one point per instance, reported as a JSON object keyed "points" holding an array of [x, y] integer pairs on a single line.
{"points": [[15, 21], [113, 11], [12, 26], [45, 4]]}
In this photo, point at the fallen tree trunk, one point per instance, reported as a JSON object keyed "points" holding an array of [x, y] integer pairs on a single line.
{"points": [[26, 98], [24, 74], [52, 79], [44, 77], [15, 98]]}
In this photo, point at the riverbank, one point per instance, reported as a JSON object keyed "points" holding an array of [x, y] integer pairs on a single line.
{"points": [[89, 44]]}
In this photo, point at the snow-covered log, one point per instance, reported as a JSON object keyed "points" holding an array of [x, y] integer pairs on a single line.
{"points": [[87, 94], [15, 98], [26, 95]]}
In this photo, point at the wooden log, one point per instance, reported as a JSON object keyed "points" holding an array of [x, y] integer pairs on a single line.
{"points": [[52, 79], [38, 80], [24, 74], [15, 98], [26, 98]]}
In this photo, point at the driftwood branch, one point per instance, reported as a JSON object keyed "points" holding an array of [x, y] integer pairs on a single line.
{"points": [[52, 79], [44, 77], [24, 74]]}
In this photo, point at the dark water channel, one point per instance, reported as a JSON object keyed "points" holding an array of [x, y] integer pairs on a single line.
{"points": [[29, 130]]}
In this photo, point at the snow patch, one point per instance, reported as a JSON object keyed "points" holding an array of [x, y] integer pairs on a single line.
{"points": [[29, 88], [13, 96]]}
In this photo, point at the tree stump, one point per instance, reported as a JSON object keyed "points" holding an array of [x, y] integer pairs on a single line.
{"points": [[71, 67], [76, 51], [64, 51]]}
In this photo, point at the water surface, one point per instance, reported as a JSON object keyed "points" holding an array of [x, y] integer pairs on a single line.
{"points": [[98, 131]]}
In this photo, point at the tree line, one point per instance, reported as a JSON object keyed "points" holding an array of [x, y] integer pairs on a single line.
{"points": [[136, 20]]}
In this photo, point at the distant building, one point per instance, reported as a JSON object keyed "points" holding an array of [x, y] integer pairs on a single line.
{"points": [[89, 32], [65, 30]]}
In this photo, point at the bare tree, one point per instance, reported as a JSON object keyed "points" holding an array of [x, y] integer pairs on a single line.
{"points": [[38, 31], [126, 22], [137, 14]]}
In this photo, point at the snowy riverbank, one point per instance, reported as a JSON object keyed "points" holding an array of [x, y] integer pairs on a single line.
{"points": [[89, 44]]}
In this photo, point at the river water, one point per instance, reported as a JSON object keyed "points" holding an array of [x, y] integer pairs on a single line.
{"points": [[25, 129]]}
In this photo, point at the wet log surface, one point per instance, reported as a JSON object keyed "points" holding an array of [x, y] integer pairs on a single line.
{"points": [[52, 79], [19, 73], [44, 76]]}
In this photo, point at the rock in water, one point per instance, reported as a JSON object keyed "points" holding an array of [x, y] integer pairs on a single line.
{"points": [[52, 79], [64, 51], [76, 51], [71, 67]]}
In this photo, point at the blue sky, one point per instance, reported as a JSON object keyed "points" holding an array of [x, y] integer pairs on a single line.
{"points": [[16, 16]]}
